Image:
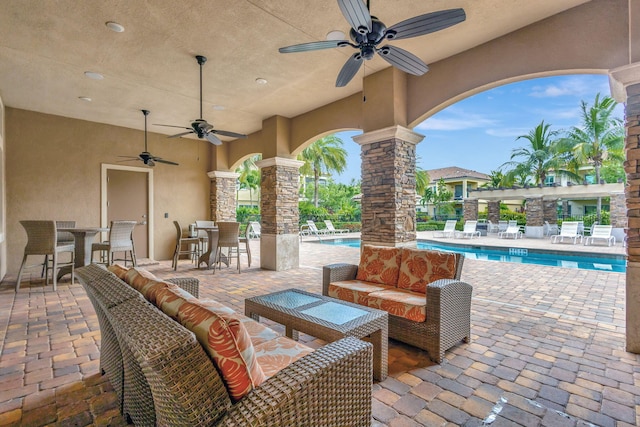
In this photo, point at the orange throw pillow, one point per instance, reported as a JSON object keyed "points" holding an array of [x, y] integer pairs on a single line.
{"points": [[420, 267], [118, 270], [379, 264], [229, 345]]}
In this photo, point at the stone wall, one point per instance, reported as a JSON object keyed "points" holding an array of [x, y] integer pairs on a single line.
{"points": [[618, 211], [389, 192], [223, 198], [549, 211], [470, 210], [279, 200], [535, 213], [493, 211], [632, 168]]}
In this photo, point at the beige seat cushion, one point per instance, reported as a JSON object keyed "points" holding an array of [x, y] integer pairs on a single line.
{"points": [[278, 353], [355, 291], [407, 304]]}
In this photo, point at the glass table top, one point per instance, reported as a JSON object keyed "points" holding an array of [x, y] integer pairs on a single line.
{"points": [[290, 299], [334, 312]]}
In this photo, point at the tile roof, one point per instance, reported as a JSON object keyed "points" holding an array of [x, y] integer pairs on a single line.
{"points": [[453, 172]]}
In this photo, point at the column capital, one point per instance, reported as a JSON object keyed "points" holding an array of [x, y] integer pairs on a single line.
{"points": [[223, 174], [399, 132], [621, 77], [279, 161]]}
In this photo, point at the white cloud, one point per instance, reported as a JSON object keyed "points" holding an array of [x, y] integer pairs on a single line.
{"points": [[573, 86], [507, 132], [456, 119]]}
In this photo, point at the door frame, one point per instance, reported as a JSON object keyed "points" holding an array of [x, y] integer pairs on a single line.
{"points": [[103, 199]]}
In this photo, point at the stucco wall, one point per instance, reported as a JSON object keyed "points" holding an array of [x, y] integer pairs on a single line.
{"points": [[53, 168]]}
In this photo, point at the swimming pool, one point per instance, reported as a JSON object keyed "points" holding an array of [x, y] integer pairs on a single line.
{"points": [[602, 262]]}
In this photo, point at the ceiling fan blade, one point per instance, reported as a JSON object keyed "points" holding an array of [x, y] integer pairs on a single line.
{"points": [[180, 134], [349, 69], [171, 126], [305, 47], [356, 14], [159, 160], [229, 134], [406, 61], [212, 138], [425, 24]]}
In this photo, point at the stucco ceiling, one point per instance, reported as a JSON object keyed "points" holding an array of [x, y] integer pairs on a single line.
{"points": [[46, 46]]}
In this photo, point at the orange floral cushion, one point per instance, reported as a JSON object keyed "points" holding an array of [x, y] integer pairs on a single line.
{"points": [[379, 264], [145, 283], [354, 290], [228, 344], [278, 353], [118, 270], [410, 305], [170, 298], [420, 267]]}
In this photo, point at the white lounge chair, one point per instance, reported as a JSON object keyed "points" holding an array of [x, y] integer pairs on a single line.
{"points": [[310, 229], [448, 231], [512, 231], [469, 230], [334, 230], [550, 229], [568, 230], [600, 233], [492, 227], [254, 230]]}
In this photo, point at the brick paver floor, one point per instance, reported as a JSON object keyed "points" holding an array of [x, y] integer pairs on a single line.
{"points": [[547, 348]]}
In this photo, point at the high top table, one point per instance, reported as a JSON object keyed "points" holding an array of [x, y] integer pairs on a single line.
{"points": [[327, 318], [209, 256], [83, 239]]}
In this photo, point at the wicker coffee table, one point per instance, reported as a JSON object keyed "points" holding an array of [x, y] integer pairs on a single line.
{"points": [[326, 318]]}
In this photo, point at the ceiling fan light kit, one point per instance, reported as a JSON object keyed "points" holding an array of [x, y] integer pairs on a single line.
{"points": [[200, 127], [368, 32]]}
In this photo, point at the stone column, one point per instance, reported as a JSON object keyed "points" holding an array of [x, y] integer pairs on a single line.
{"points": [[470, 207], [625, 87], [549, 211], [535, 223], [222, 195], [493, 211], [389, 186], [279, 242], [618, 211]]}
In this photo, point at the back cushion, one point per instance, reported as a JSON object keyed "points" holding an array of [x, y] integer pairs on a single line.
{"points": [[170, 298], [379, 264], [420, 267], [145, 283], [227, 342], [118, 270]]}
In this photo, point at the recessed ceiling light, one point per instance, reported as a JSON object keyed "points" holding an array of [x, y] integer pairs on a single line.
{"points": [[335, 35], [261, 81], [85, 98], [93, 75], [114, 26], [218, 107]]}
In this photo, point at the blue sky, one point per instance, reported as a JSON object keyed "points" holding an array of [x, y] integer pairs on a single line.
{"points": [[480, 132]]}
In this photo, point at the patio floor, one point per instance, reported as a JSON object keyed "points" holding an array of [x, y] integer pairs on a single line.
{"points": [[547, 347]]}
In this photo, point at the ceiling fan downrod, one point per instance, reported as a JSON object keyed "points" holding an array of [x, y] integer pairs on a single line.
{"points": [[201, 60]]}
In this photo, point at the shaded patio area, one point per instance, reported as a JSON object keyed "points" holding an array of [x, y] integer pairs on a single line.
{"points": [[547, 348]]}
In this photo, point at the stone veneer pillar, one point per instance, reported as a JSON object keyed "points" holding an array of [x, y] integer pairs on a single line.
{"points": [[625, 87], [550, 211], [493, 211], [618, 211], [470, 207], [279, 240], [389, 186], [222, 195], [535, 215]]}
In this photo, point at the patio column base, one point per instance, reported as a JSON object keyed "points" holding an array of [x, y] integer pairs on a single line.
{"points": [[633, 301], [279, 252]]}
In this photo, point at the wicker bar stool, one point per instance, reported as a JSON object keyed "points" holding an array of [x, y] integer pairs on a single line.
{"points": [[120, 240], [185, 246], [228, 238]]}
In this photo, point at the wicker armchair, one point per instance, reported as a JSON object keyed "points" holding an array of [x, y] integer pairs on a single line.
{"points": [[42, 239], [448, 304], [168, 379]]}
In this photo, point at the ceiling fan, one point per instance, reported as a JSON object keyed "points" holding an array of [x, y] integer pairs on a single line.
{"points": [[200, 127], [367, 32], [146, 157]]}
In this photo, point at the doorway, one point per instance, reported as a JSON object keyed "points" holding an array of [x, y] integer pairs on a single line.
{"points": [[127, 195]]}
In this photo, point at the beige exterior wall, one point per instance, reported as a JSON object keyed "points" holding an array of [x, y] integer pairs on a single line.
{"points": [[3, 196], [53, 172]]}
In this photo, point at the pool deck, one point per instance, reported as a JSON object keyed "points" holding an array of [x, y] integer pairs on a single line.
{"points": [[547, 346]]}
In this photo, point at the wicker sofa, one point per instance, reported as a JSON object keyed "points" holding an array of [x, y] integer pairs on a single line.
{"points": [[429, 307], [163, 375]]}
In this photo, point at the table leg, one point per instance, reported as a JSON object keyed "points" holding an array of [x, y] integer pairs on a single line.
{"points": [[380, 341], [83, 242]]}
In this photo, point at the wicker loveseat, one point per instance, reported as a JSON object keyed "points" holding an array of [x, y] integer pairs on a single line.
{"points": [[163, 375], [429, 307]]}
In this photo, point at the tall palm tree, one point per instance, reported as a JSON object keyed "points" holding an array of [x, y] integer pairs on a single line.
{"points": [[422, 180], [323, 156], [249, 175], [599, 138], [536, 159]]}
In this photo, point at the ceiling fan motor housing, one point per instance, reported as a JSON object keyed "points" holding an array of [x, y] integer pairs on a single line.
{"points": [[368, 40]]}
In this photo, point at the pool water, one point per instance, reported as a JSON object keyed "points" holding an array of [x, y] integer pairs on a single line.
{"points": [[612, 263]]}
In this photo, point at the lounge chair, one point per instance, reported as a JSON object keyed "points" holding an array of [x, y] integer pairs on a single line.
{"points": [[512, 231], [448, 231], [502, 226], [334, 230], [254, 230], [600, 233], [469, 230], [550, 229], [492, 227], [568, 230], [310, 229]]}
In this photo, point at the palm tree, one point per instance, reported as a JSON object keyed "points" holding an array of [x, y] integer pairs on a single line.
{"points": [[536, 159], [599, 138], [422, 180], [249, 175], [323, 156]]}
